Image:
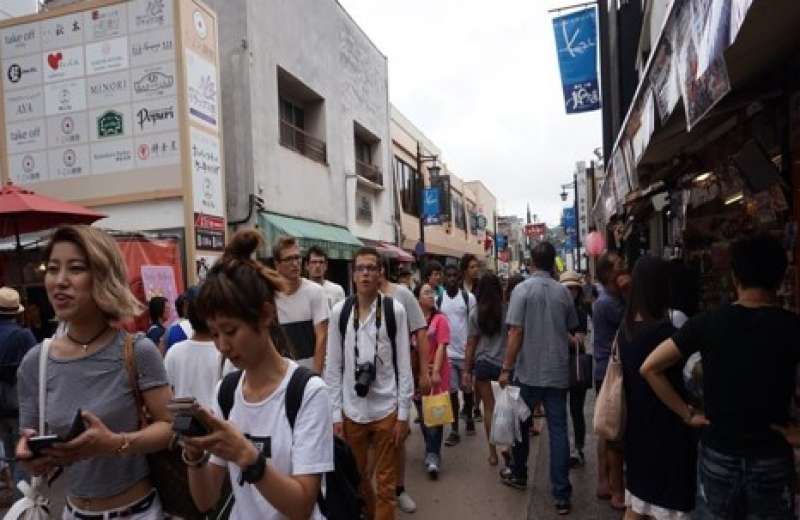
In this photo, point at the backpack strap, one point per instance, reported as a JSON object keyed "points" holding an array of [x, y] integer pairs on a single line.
{"points": [[294, 392], [391, 329], [439, 300], [465, 295], [227, 388], [347, 308]]}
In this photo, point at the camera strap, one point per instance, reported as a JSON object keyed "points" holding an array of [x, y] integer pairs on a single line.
{"points": [[356, 323]]}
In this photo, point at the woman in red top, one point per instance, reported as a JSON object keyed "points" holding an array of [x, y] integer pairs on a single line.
{"points": [[439, 367]]}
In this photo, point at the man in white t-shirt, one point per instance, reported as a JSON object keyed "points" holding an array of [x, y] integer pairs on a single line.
{"points": [[303, 309], [373, 415], [194, 366], [317, 265], [456, 304]]}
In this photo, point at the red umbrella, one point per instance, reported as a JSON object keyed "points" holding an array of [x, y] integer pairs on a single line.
{"points": [[23, 211]]}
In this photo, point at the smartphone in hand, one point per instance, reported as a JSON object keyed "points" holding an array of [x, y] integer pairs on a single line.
{"points": [[42, 442], [78, 426], [185, 422]]}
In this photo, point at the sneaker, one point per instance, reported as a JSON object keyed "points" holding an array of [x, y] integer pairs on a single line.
{"points": [[463, 414], [562, 507], [471, 428], [452, 439], [507, 478], [433, 470], [477, 415], [577, 460], [405, 503]]}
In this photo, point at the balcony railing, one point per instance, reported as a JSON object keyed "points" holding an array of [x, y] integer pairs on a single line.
{"points": [[300, 141], [370, 172]]}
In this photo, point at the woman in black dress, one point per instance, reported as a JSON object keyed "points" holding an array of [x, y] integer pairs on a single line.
{"points": [[660, 450]]}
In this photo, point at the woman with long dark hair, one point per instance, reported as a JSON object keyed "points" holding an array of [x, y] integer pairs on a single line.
{"points": [[660, 449], [486, 347]]}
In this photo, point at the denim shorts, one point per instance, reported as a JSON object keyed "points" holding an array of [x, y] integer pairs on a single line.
{"points": [[485, 371], [456, 371], [747, 488]]}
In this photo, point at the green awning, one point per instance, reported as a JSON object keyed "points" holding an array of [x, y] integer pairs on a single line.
{"points": [[337, 241]]}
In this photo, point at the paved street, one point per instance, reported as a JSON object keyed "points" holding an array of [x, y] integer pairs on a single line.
{"points": [[468, 488]]}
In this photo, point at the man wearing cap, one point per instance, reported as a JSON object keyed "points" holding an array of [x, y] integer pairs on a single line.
{"points": [[15, 341]]}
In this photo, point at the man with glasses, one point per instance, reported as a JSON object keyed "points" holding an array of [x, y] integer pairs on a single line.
{"points": [[303, 309], [317, 266], [369, 375]]}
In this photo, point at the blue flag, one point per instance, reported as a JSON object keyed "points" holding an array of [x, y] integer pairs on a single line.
{"points": [[430, 208], [576, 43]]}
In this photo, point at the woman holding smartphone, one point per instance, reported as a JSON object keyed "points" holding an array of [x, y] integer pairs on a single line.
{"points": [[275, 471], [105, 468]]}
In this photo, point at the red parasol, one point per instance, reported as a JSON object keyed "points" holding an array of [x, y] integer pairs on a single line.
{"points": [[23, 211]]}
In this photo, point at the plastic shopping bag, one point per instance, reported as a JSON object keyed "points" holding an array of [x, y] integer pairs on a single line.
{"points": [[437, 410], [33, 505], [504, 421]]}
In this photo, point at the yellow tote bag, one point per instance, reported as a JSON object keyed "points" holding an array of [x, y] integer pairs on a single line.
{"points": [[436, 409]]}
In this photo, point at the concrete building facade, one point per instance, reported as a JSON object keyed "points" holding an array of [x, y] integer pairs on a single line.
{"points": [[306, 119], [14, 8]]}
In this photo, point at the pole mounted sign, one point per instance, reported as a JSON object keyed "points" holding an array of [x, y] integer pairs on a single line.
{"points": [[117, 102], [431, 209], [576, 44]]}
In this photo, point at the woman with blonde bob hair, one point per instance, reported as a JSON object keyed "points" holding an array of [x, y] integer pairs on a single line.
{"points": [[105, 468]]}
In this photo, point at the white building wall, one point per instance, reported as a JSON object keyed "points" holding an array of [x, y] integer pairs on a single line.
{"points": [[317, 42], [13, 8]]}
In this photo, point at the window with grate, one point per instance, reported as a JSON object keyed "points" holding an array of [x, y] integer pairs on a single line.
{"points": [[457, 205], [363, 206]]}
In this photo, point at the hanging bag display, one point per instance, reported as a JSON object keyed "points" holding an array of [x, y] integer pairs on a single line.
{"points": [[609, 411], [437, 410]]}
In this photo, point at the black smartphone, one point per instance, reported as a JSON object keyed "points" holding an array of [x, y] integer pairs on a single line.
{"points": [[78, 426], [41, 442], [189, 426]]}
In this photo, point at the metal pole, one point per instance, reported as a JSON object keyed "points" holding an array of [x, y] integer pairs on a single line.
{"points": [[421, 197], [574, 6], [577, 223]]}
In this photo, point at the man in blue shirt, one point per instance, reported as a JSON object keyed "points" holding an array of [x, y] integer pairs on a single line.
{"points": [[15, 341], [607, 314]]}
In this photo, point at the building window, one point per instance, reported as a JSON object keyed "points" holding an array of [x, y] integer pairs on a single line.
{"points": [[302, 118], [407, 181], [457, 205], [367, 152], [474, 225], [363, 206]]}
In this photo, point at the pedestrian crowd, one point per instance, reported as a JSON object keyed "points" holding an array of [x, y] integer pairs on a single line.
{"points": [[275, 395]]}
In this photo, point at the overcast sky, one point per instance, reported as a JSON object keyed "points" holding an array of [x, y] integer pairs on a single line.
{"points": [[481, 80]]}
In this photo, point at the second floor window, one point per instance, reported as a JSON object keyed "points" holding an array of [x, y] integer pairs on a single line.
{"points": [[457, 205], [292, 114], [407, 181]]}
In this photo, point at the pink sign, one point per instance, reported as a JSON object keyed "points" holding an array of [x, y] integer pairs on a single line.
{"points": [[159, 280]]}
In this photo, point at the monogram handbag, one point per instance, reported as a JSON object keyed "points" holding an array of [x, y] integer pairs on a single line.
{"points": [[167, 469], [609, 410]]}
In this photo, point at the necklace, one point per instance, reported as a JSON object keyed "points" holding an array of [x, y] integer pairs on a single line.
{"points": [[85, 345]]}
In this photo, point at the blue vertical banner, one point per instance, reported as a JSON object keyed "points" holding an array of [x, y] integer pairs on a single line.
{"points": [[431, 210], [576, 43]]}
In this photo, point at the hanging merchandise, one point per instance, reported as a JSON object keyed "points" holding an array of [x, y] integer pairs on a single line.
{"points": [[711, 21], [595, 243]]}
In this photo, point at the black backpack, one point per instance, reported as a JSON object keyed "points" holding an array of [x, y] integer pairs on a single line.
{"points": [[391, 327], [342, 500]]}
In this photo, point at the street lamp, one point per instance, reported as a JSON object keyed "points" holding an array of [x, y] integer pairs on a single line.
{"points": [[434, 169]]}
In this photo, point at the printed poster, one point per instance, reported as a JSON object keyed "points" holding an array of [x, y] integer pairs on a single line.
{"points": [[201, 86], [664, 75], [159, 280], [206, 174]]}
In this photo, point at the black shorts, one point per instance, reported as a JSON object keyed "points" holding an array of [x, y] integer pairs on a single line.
{"points": [[485, 371]]}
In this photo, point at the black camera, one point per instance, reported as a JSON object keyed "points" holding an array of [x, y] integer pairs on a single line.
{"points": [[365, 375]]}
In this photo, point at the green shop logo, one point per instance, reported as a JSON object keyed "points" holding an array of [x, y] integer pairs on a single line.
{"points": [[109, 124]]}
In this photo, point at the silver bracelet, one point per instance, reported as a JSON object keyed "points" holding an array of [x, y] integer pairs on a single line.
{"points": [[195, 463]]}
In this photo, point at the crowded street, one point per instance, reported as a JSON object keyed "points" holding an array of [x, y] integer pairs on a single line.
{"points": [[381, 260]]}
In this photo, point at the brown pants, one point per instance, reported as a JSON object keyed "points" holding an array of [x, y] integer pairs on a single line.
{"points": [[377, 437]]}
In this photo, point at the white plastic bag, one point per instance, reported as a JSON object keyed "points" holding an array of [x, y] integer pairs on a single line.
{"points": [[509, 412]]}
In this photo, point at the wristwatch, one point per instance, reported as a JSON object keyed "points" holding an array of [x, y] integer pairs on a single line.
{"points": [[253, 473]]}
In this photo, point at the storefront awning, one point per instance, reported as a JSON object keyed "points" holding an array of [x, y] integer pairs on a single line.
{"points": [[337, 241]]}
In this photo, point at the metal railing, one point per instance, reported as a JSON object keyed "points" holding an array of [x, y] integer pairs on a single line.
{"points": [[300, 141], [370, 172]]}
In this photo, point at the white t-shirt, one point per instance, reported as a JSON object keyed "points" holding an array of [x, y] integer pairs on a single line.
{"points": [[306, 451], [333, 292], [298, 313], [458, 315], [193, 370]]}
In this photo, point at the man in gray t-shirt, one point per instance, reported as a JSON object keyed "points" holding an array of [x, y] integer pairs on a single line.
{"points": [[540, 317]]}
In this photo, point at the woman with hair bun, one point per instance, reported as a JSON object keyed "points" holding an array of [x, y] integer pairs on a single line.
{"points": [[105, 468], [275, 470]]}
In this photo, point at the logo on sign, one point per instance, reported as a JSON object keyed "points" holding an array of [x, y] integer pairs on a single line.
{"points": [[153, 117], [69, 157], [65, 96], [54, 60], [15, 72], [67, 125], [109, 124], [108, 88], [28, 164], [153, 82], [200, 25], [19, 135], [143, 151], [20, 38]]}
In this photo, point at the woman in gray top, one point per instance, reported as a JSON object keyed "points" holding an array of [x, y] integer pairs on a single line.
{"points": [[105, 468], [486, 348]]}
